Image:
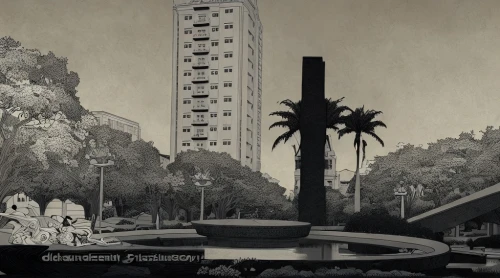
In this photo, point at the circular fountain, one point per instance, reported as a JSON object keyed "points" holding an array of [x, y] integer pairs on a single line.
{"points": [[252, 233]]}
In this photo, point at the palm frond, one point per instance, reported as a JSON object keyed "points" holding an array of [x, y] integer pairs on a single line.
{"points": [[375, 124], [372, 134], [284, 124], [344, 131], [283, 138]]}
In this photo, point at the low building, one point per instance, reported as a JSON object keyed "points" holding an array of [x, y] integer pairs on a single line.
{"points": [[164, 160], [331, 175], [23, 203], [118, 123], [345, 177]]}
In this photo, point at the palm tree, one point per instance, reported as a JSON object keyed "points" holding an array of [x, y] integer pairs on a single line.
{"points": [[358, 122], [291, 119]]}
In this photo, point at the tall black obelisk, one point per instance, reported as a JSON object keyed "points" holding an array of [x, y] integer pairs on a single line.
{"points": [[312, 195]]}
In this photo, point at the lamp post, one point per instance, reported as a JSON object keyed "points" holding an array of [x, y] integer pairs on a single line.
{"points": [[202, 180], [94, 162], [401, 191]]}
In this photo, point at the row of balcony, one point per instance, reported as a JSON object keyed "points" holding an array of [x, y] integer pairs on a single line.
{"points": [[201, 21], [199, 107]]}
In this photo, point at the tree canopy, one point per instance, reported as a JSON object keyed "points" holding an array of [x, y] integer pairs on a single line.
{"points": [[448, 169]]}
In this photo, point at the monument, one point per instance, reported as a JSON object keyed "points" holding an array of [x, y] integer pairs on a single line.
{"points": [[312, 203]]}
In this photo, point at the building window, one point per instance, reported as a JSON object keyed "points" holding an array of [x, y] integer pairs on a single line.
{"points": [[227, 113], [228, 55], [230, 40], [297, 164], [213, 101], [213, 128], [226, 128], [215, 14], [330, 183], [187, 60], [213, 115], [188, 31], [187, 101], [228, 26], [187, 88], [214, 87], [188, 17], [228, 84], [215, 43], [186, 144], [228, 70], [213, 143], [227, 99], [328, 164], [187, 73], [226, 143], [215, 72], [201, 73], [215, 58], [186, 116], [188, 45], [229, 11], [215, 29], [186, 130]]}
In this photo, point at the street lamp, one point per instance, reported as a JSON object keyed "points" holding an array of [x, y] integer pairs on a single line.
{"points": [[94, 162], [401, 191], [202, 180]]}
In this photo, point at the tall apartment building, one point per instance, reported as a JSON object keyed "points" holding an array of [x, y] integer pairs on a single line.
{"points": [[217, 78], [332, 177], [119, 123]]}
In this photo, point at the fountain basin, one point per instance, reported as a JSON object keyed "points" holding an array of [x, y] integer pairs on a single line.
{"points": [[249, 233]]}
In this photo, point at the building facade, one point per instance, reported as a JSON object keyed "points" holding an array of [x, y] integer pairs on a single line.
{"points": [[119, 123], [217, 78], [332, 179]]}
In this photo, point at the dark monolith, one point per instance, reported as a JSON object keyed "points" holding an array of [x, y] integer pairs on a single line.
{"points": [[312, 195]]}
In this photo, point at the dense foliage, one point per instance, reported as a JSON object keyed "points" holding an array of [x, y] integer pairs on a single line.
{"points": [[447, 170], [234, 187], [379, 221]]}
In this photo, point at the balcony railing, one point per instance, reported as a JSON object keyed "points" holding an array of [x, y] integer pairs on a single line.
{"points": [[200, 121], [201, 21], [201, 50], [200, 79], [200, 93], [201, 36], [200, 107], [200, 65], [199, 136]]}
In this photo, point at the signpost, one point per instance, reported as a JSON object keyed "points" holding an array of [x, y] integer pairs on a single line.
{"points": [[401, 191], [202, 180]]}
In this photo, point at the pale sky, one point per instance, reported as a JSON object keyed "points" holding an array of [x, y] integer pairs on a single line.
{"points": [[431, 66]]}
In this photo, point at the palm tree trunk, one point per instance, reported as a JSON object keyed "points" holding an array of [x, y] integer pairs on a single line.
{"points": [[357, 187]]}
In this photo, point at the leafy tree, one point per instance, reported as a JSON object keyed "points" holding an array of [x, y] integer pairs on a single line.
{"points": [[291, 119], [360, 122], [35, 119], [234, 186]]}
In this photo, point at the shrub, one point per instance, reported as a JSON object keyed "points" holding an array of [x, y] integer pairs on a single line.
{"points": [[488, 242], [378, 221], [225, 271], [125, 222], [108, 212]]}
